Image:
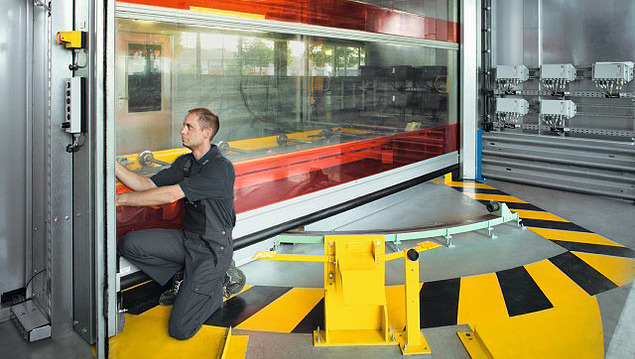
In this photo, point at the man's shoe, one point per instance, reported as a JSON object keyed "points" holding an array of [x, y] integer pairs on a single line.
{"points": [[234, 280], [168, 297]]}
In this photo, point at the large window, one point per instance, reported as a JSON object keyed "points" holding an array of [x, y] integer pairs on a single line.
{"points": [[298, 113]]}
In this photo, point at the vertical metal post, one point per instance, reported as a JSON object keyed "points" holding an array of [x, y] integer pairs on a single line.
{"points": [[469, 91], [411, 280], [413, 340]]}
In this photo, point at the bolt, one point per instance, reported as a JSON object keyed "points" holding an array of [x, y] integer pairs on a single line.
{"points": [[331, 275], [34, 229], [75, 322], [389, 329], [84, 330], [55, 219], [392, 339], [330, 243], [67, 218], [79, 214], [378, 242], [405, 346]]}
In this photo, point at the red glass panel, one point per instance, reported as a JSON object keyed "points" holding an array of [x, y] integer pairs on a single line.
{"points": [[265, 181], [342, 14]]}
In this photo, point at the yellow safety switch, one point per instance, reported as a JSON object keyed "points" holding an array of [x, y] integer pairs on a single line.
{"points": [[72, 39]]}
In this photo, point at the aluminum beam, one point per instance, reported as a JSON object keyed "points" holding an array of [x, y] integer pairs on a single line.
{"points": [[581, 165]]}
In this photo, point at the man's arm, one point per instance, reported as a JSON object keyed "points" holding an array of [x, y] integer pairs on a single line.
{"points": [[132, 180], [151, 197]]}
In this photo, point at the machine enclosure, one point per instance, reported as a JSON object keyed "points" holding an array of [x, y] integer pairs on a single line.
{"points": [[512, 72], [558, 72], [518, 106], [613, 71], [566, 108]]}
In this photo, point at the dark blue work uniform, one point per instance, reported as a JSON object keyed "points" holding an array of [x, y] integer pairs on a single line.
{"points": [[204, 246]]}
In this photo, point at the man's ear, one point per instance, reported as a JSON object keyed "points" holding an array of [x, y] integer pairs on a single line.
{"points": [[208, 133]]}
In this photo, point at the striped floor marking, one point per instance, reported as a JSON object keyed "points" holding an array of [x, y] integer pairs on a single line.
{"points": [[521, 293], [314, 319], [284, 313], [618, 270], [570, 236], [494, 197], [533, 214], [239, 308], [439, 303], [592, 264]]}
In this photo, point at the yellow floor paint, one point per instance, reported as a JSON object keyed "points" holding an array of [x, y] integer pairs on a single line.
{"points": [[468, 185], [570, 331], [557, 286], [494, 197], [237, 348], [619, 270], [524, 213], [146, 336], [480, 299], [573, 330], [572, 236], [286, 312]]}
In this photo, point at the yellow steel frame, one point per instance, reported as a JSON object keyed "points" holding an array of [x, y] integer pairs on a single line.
{"points": [[355, 310]]}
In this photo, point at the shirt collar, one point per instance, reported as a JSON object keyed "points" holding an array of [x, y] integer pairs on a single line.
{"points": [[212, 152]]}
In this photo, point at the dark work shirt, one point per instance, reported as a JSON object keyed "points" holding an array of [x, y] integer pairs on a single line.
{"points": [[208, 185]]}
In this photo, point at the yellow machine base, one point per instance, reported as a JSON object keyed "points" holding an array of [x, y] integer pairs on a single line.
{"points": [[350, 338], [423, 348]]}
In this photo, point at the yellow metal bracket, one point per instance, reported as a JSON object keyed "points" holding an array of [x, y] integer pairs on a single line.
{"points": [[72, 39], [474, 345], [355, 306]]}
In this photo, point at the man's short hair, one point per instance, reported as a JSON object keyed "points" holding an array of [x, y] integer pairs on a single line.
{"points": [[207, 119]]}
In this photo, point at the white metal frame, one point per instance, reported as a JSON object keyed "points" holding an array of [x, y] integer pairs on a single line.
{"points": [[470, 32]]}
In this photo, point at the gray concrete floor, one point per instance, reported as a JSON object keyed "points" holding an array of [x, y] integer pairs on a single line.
{"points": [[426, 204], [67, 345]]}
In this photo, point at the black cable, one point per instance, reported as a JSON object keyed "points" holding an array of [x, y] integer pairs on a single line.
{"points": [[33, 276]]}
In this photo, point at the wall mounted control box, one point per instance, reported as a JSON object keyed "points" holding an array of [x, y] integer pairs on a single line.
{"points": [[512, 72], [518, 106], [565, 108], [74, 105], [613, 71], [565, 72]]}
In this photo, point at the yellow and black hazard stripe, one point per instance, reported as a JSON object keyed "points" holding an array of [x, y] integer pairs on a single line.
{"points": [[590, 265]]}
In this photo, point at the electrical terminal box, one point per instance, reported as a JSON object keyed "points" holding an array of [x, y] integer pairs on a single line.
{"points": [[613, 71], [565, 108], [565, 72], [74, 104], [518, 106], [512, 72]]}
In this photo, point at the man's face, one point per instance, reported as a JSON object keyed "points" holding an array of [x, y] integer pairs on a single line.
{"points": [[192, 134]]}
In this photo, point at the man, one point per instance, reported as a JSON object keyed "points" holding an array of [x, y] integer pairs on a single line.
{"points": [[203, 248]]}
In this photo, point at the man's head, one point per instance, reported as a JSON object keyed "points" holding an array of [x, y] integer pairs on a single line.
{"points": [[199, 128]]}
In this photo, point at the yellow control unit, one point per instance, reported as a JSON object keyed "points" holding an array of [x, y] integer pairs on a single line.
{"points": [[72, 39]]}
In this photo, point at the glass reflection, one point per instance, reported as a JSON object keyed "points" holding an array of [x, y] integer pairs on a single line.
{"points": [[298, 114]]}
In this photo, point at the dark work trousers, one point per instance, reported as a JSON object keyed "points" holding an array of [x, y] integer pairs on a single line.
{"points": [[160, 253]]}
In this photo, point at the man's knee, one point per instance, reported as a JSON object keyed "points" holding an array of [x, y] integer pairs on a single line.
{"points": [[126, 246], [181, 331]]}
